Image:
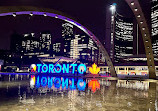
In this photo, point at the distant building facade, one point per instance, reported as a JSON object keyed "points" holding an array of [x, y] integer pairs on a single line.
{"points": [[83, 47], [30, 44], [57, 47], [78, 45], [154, 26], [45, 41], [67, 35], [121, 34], [123, 37]]}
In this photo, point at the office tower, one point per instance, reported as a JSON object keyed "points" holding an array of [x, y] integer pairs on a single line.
{"points": [[154, 26], [123, 37], [120, 31], [67, 35], [74, 49], [57, 47], [30, 44], [83, 47], [45, 41], [78, 45]]}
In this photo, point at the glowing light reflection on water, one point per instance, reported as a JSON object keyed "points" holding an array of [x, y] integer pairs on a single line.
{"points": [[99, 94]]}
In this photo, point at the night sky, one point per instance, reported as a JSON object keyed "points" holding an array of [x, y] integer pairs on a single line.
{"points": [[26, 24], [90, 13]]}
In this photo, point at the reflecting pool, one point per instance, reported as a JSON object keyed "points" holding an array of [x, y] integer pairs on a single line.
{"points": [[56, 93]]}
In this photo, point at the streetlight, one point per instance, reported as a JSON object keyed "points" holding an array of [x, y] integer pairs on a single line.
{"points": [[31, 14], [14, 14], [113, 8]]}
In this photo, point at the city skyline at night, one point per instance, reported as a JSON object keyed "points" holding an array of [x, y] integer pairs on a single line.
{"points": [[79, 55], [68, 43]]}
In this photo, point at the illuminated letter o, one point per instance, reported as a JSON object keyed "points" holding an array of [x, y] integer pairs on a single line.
{"points": [[58, 71], [45, 69], [81, 67]]}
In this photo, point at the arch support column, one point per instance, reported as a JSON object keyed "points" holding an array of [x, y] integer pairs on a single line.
{"points": [[137, 10]]}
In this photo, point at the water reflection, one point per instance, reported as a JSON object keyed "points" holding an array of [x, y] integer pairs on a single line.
{"points": [[76, 94], [58, 83], [94, 85]]}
